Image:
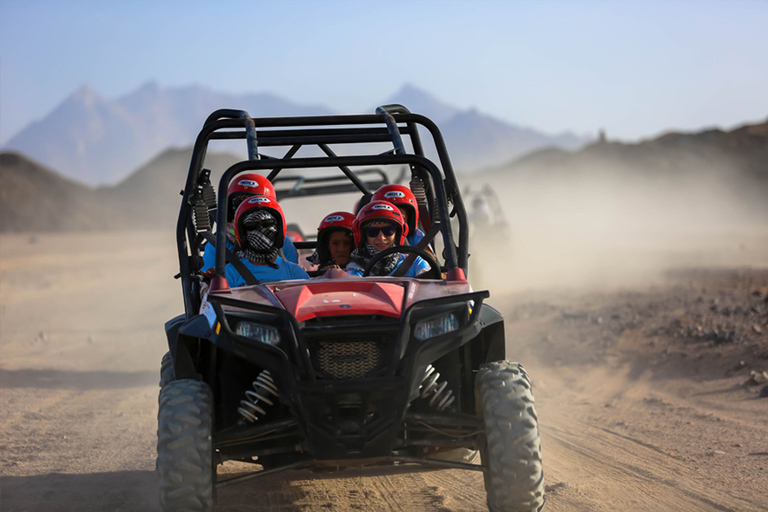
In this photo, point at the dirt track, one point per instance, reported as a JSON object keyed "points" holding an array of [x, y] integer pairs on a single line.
{"points": [[639, 408]]}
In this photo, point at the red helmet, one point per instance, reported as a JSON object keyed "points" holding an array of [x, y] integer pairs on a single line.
{"points": [[402, 197], [295, 236], [336, 221], [379, 211], [248, 184], [259, 203]]}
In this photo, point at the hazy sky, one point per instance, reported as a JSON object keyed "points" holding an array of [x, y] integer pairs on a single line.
{"points": [[633, 68]]}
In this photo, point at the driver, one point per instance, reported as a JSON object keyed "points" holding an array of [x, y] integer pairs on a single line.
{"points": [[402, 197], [260, 233], [378, 226]]}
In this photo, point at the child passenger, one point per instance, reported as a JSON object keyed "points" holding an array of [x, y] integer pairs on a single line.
{"points": [[378, 226], [335, 241], [260, 232]]}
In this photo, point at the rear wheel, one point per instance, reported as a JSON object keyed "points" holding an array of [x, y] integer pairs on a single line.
{"points": [[184, 451], [511, 448]]}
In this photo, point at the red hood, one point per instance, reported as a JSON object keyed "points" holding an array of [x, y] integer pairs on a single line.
{"points": [[310, 300], [347, 296]]}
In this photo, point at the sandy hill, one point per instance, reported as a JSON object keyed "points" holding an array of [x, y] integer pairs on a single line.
{"points": [[36, 198], [740, 153]]}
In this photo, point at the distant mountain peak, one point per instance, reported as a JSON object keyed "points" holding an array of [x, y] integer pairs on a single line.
{"points": [[421, 102], [85, 96]]}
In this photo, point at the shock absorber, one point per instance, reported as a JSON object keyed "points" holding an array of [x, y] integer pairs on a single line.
{"points": [[441, 397], [263, 386]]}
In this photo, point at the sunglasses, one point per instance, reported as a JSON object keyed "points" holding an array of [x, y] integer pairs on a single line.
{"points": [[258, 224], [374, 231]]}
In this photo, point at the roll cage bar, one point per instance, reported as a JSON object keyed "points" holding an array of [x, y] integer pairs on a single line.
{"points": [[391, 124], [326, 185]]}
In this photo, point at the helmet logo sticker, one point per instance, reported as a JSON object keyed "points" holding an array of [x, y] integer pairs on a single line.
{"points": [[248, 183], [258, 199], [381, 207], [394, 193], [333, 218]]}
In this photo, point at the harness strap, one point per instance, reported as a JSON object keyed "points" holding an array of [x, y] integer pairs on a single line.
{"points": [[232, 258]]}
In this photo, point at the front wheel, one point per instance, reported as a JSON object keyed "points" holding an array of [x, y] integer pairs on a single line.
{"points": [[166, 370], [184, 449], [511, 448]]}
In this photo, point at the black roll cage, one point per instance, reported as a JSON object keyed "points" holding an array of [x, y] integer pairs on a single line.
{"points": [[390, 124]]}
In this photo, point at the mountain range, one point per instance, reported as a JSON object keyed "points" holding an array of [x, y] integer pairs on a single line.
{"points": [[36, 198], [98, 141]]}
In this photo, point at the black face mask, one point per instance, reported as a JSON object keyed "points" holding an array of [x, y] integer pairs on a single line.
{"points": [[259, 245]]}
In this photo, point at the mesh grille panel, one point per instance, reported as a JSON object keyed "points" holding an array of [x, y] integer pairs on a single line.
{"points": [[348, 360]]}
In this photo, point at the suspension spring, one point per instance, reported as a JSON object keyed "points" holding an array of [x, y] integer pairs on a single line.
{"points": [[263, 387], [442, 398]]}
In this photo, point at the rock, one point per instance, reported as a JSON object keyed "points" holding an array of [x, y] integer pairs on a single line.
{"points": [[553, 488], [764, 391], [755, 378], [757, 328]]}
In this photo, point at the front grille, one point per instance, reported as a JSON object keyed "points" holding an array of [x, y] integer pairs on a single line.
{"points": [[347, 359]]}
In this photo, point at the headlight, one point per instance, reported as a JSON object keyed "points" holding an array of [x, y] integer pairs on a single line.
{"points": [[258, 332], [436, 326]]}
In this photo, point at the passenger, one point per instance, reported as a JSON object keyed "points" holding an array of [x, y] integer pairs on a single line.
{"points": [[402, 197], [362, 202], [260, 232], [335, 241], [377, 227], [241, 187]]}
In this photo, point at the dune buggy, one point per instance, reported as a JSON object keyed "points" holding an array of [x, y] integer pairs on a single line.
{"points": [[339, 371]]}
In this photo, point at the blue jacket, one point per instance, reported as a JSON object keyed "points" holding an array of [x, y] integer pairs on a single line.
{"points": [[417, 267], [209, 256], [415, 238], [264, 273]]}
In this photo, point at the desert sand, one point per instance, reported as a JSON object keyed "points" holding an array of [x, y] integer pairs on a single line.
{"points": [[640, 396]]}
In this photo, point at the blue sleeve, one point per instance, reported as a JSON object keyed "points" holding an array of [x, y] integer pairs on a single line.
{"points": [[234, 279], [297, 272], [354, 269], [419, 265], [291, 254], [209, 256]]}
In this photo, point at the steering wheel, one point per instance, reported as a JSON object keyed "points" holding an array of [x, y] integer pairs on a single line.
{"points": [[434, 271]]}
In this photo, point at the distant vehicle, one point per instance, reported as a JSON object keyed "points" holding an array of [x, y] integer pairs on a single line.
{"points": [[486, 213], [338, 371]]}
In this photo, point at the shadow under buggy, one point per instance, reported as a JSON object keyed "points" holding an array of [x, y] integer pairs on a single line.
{"points": [[337, 370]]}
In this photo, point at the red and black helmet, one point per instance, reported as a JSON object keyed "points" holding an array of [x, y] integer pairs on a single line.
{"points": [[402, 197], [336, 221], [248, 184], [260, 203], [377, 211]]}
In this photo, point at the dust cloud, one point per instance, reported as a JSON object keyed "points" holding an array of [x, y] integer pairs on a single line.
{"points": [[611, 229]]}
